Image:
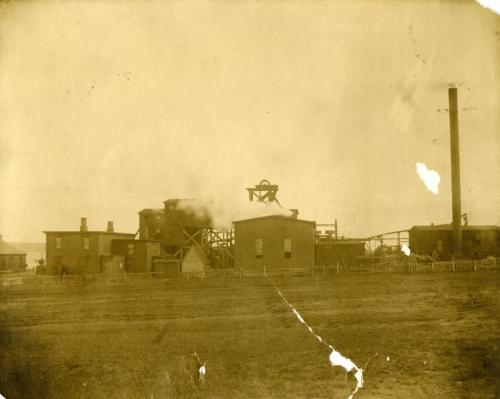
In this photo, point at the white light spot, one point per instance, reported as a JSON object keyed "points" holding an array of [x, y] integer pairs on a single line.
{"points": [[388, 359], [430, 177], [202, 371], [405, 249], [493, 5]]}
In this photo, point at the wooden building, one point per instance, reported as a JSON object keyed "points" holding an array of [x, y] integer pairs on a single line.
{"points": [[274, 242], [437, 241], [138, 255], [329, 251], [183, 218], [151, 223], [11, 258], [83, 251]]}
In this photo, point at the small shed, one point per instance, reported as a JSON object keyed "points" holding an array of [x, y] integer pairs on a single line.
{"points": [[195, 262], [329, 252], [11, 258], [166, 268]]}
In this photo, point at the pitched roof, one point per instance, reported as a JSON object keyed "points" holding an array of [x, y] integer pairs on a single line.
{"points": [[7, 249], [196, 252]]}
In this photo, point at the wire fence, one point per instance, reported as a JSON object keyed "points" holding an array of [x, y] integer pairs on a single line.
{"points": [[32, 279]]}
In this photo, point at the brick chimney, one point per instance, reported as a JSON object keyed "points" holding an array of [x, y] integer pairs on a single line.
{"points": [[110, 228], [83, 224]]}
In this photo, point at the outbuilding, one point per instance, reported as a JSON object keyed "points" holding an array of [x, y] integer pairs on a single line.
{"points": [[11, 258], [195, 262], [437, 240]]}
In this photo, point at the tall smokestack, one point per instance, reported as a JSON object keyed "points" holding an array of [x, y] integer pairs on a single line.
{"points": [[455, 171], [83, 224], [110, 228]]}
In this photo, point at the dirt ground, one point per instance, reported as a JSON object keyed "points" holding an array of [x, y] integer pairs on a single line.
{"points": [[436, 336]]}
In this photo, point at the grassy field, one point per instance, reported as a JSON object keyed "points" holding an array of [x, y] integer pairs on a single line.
{"points": [[436, 336]]}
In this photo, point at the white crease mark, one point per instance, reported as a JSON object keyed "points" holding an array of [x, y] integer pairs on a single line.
{"points": [[430, 177], [493, 5], [336, 358]]}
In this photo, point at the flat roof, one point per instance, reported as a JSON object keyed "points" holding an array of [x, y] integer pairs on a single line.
{"points": [[281, 217], [87, 232], [181, 199], [346, 241], [134, 240], [151, 210], [450, 227]]}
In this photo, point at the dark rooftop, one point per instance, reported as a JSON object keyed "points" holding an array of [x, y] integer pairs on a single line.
{"points": [[450, 227], [150, 210], [86, 232]]}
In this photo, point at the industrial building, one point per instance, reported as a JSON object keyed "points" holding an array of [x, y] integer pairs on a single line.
{"points": [[11, 258], [330, 251], [82, 251], [137, 255], [151, 223], [184, 219], [273, 241], [456, 239], [478, 242]]}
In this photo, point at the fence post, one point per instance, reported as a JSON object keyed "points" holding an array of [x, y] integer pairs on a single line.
{"points": [[453, 263], [265, 275], [432, 266]]}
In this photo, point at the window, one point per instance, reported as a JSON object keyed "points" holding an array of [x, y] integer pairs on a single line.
{"points": [[58, 242], [86, 243], [130, 249], [258, 248], [440, 246], [287, 247]]}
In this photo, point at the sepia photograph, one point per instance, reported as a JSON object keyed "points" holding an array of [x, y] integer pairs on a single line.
{"points": [[249, 199]]}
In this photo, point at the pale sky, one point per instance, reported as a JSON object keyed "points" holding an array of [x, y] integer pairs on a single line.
{"points": [[108, 107]]}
